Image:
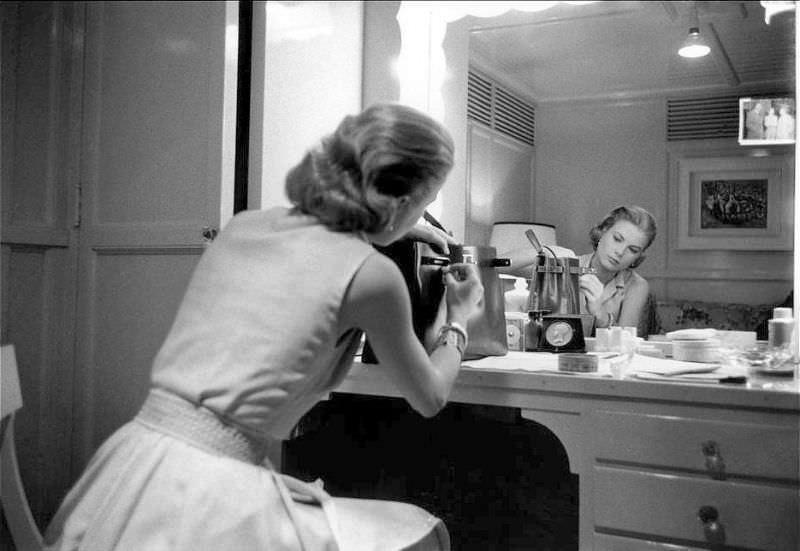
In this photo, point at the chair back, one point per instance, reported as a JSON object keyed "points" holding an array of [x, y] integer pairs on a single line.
{"points": [[21, 524], [10, 394]]}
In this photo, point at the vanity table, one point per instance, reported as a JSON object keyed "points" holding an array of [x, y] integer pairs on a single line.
{"points": [[661, 464]]}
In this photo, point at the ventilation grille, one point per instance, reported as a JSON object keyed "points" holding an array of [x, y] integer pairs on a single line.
{"points": [[703, 118], [706, 118], [500, 109]]}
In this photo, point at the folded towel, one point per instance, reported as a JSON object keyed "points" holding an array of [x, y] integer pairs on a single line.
{"points": [[692, 334]]}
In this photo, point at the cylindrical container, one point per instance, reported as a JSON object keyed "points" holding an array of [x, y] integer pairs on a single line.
{"points": [[601, 345], [516, 300], [615, 338], [515, 330], [704, 351], [780, 328], [577, 363], [631, 331]]}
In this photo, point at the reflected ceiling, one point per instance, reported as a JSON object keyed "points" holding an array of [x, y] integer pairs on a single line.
{"points": [[629, 49]]}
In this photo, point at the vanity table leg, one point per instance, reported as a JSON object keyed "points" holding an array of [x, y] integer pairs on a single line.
{"points": [[569, 426]]}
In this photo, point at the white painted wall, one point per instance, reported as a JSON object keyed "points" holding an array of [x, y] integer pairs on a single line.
{"points": [[306, 76], [593, 156]]}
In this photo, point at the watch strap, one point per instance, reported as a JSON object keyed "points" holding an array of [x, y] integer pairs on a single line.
{"points": [[452, 334]]}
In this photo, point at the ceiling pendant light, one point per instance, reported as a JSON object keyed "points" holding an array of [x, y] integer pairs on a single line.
{"points": [[694, 45]]}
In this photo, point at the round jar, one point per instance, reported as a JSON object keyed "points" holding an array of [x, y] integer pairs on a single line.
{"points": [[705, 351]]}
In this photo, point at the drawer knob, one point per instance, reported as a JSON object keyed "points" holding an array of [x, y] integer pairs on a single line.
{"points": [[714, 462], [713, 529]]}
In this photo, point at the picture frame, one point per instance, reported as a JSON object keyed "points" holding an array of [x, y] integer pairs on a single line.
{"points": [[735, 203], [767, 121]]}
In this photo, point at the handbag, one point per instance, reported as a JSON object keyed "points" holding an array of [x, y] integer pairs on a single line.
{"points": [[486, 326], [421, 268], [555, 284]]}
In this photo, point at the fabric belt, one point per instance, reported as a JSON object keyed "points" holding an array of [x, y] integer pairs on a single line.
{"points": [[168, 413]]}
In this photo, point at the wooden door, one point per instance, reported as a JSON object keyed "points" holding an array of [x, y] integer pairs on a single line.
{"points": [[42, 60], [157, 171]]}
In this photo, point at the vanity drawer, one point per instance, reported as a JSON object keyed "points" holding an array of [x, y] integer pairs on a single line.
{"points": [[736, 448], [654, 506]]}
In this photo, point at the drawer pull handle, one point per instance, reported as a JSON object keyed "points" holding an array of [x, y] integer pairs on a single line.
{"points": [[714, 530], [714, 462]]}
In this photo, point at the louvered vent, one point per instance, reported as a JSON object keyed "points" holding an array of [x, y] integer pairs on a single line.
{"points": [[703, 118], [708, 118], [491, 104]]}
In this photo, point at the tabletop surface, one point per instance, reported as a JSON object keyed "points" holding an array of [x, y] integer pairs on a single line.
{"points": [[642, 378]]}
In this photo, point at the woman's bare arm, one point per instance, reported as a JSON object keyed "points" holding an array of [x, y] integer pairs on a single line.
{"points": [[378, 302], [633, 307]]}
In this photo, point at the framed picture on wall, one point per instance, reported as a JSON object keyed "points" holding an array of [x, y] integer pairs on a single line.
{"points": [[764, 121], [735, 203]]}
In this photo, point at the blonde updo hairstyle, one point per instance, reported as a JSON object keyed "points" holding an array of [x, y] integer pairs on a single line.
{"points": [[634, 214], [352, 181]]}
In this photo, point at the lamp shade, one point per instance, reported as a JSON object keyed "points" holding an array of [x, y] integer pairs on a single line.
{"points": [[694, 45], [507, 236]]}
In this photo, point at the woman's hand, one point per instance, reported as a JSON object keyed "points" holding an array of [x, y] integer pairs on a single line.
{"points": [[592, 290], [435, 237], [464, 291]]}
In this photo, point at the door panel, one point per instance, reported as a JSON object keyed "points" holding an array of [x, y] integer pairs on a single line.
{"points": [[158, 144], [128, 328], [500, 177], [42, 59]]}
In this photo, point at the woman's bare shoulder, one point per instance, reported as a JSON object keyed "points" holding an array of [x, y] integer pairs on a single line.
{"points": [[637, 282]]}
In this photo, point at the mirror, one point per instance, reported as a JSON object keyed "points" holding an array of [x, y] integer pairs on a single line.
{"points": [[607, 86]]}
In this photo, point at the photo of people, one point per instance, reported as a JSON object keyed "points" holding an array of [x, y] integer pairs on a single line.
{"points": [[766, 120], [733, 204]]}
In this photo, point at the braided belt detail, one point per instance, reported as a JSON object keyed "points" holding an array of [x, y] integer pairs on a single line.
{"points": [[168, 413]]}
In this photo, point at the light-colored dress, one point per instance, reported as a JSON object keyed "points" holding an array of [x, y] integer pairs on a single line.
{"points": [[253, 347]]}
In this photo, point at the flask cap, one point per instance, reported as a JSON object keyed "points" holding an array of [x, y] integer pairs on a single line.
{"points": [[782, 313]]}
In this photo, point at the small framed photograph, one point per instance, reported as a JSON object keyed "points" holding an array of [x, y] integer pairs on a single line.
{"points": [[735, 203], [764, 121]]}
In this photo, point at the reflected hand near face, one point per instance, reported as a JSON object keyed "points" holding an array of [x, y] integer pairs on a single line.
{"points": [[435, 237], [464, 289], [592, 289]]}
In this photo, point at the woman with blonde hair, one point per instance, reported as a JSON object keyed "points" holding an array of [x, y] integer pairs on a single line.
{"points": [[615, 294], [269, 324]]}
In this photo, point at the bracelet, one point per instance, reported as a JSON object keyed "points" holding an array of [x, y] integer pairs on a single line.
{"points": [[452, 334], [458, 328]]}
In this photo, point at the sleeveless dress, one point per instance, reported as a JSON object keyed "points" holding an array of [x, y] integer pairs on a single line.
{"points": [[253, 347]]}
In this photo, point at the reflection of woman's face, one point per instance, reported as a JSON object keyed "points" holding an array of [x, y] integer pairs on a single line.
{"points": [[620, 246]]}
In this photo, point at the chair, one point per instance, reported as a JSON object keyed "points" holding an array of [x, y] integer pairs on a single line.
{"points": [[24, 531]]}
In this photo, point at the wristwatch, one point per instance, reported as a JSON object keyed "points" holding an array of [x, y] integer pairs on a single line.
{"points": [[452, 334]]}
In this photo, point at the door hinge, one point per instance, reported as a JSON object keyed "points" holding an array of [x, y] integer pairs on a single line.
{"points": [[76, 213]]}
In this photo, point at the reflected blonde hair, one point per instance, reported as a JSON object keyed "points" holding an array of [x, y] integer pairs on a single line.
{"points": [[636, 215]]}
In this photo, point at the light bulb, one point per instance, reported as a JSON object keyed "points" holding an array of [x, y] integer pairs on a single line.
{"points": [[694, 46]]}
